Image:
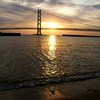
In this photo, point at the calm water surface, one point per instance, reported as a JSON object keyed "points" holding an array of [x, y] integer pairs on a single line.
{"points": [[36, 60]]}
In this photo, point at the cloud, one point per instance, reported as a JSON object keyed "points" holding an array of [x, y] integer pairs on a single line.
{"points": [[14, 11], [96, 1], [97, 6], [30, 1]]}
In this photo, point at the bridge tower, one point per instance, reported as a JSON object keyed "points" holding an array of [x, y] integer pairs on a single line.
{"points": [[39, 22]]}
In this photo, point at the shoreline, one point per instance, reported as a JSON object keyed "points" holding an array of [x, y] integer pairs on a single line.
{"points": [[67, 35], [82, 90]]}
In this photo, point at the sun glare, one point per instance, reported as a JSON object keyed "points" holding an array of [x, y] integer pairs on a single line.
{"points": [[52, 25]]}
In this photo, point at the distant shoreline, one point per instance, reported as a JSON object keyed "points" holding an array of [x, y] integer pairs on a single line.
{"points": [[79, 35], [10, 34]]}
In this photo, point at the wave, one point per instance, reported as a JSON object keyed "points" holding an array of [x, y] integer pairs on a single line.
{"points": [[8, 85]]}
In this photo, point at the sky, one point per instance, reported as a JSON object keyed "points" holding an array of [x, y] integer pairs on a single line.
{"points": [[75, 13]]}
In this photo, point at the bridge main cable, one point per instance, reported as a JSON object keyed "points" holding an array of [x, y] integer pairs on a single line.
{"points": [[71, 20]]}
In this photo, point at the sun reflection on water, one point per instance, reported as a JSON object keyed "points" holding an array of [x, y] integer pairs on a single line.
{"points": [[52, 47], [52, 92], [51, 68]]}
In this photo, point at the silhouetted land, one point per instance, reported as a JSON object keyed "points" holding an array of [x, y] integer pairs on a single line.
{"points": [[79, 35], [10, 34]]}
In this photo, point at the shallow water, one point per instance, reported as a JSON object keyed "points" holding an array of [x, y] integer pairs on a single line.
{"points": [[37, 60]]}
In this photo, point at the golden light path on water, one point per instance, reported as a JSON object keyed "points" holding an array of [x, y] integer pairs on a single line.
{"points": [[52, 47], [51, 68]]}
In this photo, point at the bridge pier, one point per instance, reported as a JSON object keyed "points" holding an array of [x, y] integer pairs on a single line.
{"points": [[39, 22]]}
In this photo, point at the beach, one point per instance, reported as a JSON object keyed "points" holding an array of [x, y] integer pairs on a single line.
{"points": [[49, 68], [81, 90]]}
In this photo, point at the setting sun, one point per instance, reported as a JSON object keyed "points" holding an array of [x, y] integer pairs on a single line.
{"points": [[52, 25]]}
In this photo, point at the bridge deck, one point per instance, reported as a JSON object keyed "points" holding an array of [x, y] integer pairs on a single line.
{"points": [[72, 29]]}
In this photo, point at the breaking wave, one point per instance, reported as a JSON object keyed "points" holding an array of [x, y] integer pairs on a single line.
{"points": [[8, 85]]}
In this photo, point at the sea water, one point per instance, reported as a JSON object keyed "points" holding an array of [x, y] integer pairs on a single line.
{"points": [[27, 61]]}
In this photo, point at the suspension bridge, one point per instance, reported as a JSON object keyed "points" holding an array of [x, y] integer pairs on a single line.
{"points": [[39, 28]]}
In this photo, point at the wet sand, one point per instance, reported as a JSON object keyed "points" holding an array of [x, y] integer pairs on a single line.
{"points": [[83, 90]]}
